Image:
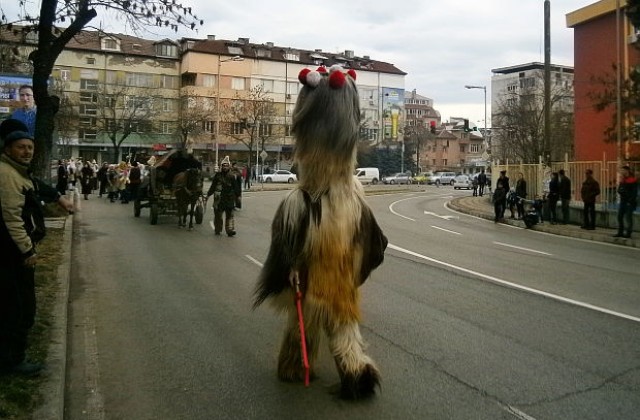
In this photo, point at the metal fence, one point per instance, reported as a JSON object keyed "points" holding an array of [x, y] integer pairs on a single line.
{"points": [[538, 177]]}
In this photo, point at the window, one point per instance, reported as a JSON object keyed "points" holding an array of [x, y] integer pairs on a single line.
{"points": [[237, 128], [166, 127], [287, 130], [110, 44], [189, 79], [88, 121], [137, 102], [110, 101], [208, 126], [293, 88], [463, 148], [444, 162], [237, 83], [87, 134], [65, 74], [168, 82], [260, 52], [166, 50], [267, 85], [266, 130], [90, 97], [474, 148], [111, 77], [208, 80], [235, 50], [168, 105], [140, 79], [87, 109], [292, 56], [87, 84], [91, 60]]}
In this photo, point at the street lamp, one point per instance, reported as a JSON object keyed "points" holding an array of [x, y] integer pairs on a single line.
{"points": [[484, 88], [220, 61]]}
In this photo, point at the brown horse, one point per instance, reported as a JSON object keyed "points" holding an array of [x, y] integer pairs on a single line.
{"points": [[187, 187]]}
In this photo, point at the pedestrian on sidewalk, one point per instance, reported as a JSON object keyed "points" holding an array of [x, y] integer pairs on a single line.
{"points": [[590, 190], [565, 195], [499, 202], [628, 192], [21, 228], [521, 193], [553, 196]]}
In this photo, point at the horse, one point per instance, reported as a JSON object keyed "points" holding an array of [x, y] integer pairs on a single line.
{"points": [[325, 240], [187, 188]]}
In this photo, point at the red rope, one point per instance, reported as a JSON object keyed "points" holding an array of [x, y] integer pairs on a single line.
{"points": [[303, 340]]}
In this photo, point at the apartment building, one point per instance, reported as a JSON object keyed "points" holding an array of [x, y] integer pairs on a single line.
{"points": [[141, 91], [518, 89]]}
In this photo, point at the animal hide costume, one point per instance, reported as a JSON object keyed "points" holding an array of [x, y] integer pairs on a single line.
{"points": [[324, 236]]}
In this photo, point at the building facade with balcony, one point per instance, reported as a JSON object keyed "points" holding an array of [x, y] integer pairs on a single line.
{"points": [[142, 91]]}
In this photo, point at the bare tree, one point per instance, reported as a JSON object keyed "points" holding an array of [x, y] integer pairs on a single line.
{"points": [[196, 121], [519, 124], [67, 117], [124, 110], [52, 39], [251, 120]]}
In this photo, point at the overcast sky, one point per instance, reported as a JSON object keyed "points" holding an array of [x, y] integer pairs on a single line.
{"points": [[441, 45]]}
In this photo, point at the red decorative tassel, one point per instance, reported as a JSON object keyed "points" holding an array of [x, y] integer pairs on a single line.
{"points": [[337, 79], [302, 76]]}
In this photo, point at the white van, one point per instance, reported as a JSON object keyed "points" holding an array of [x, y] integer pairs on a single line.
{"points": [[368, 175]]}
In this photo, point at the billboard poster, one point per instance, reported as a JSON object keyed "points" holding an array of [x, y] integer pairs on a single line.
{"points": [[9, 96], [392, 111]]}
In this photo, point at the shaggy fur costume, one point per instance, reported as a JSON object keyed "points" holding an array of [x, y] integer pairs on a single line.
{"points": [[325, 236]]}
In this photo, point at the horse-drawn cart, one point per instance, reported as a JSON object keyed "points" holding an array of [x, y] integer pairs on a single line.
{"points": [[171, 197]]}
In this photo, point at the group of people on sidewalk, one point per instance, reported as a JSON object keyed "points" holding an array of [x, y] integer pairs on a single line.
{"points": [[559, 189]]}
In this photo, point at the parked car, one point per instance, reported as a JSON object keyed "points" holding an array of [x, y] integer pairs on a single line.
{"points": [[463, 181], [422, 178], [279, 176], [442, 178], [368, 175], [399, 178]]}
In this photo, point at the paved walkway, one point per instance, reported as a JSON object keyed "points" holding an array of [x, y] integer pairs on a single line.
{"points": [[482, 207]]}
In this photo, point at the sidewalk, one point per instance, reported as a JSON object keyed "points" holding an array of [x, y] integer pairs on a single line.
{"points": [[482, 207]]}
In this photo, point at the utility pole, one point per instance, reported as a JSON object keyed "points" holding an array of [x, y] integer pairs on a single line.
{"points": [[547, 83]]}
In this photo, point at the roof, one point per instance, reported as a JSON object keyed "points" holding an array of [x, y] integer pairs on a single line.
{"points": [[531, 66], [593, 11], [272, 52]]}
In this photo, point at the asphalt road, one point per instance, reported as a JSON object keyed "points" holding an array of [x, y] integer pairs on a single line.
{"points": [[466, 320]]}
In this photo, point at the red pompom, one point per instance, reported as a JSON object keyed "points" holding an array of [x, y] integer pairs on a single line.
{"points": [[322, 70], [352, 73], [302, 76], [337, 79]]}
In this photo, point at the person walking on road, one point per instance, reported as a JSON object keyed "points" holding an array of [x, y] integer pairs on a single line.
{"points": [[553, 196], [565, 195], [21, 228], [482, 181], [225, 190], [590, 190], [628, 191]]}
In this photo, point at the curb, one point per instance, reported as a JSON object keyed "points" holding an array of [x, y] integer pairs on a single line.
{"points": [[52, 389], [600, 235]]}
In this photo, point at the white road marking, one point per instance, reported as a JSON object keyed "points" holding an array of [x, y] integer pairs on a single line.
{"points": [[515, 412], [445, 217], [518, 286], [412, 197], [446, 230], [522, 249], [253, 260]]}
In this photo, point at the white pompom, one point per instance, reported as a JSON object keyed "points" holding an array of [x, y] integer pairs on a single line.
{"points": [[336, 67], [313, 78]]}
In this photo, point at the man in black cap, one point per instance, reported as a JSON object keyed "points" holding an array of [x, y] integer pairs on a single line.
{"points": [[21, 228]]}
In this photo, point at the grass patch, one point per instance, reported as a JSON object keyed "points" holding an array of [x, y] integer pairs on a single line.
{"points": [[18, 395]]}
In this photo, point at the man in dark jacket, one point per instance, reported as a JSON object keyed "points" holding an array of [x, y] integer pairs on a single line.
{"points": [[21, 227], [565, 195], [590, 190], [226, 191], [553, 196], [628, 191]]}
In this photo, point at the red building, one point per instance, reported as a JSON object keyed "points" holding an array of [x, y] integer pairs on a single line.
{"points": [[595, 57]]}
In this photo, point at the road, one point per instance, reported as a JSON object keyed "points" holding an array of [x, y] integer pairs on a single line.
{"points": [[466, 320]]}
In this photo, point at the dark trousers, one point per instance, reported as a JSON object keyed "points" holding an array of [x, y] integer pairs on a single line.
{"points": [[625, 218], [553, 216], [229, 221], [17, 311], [481, 189], [565, 210], [498, 208], [589, 215]]}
